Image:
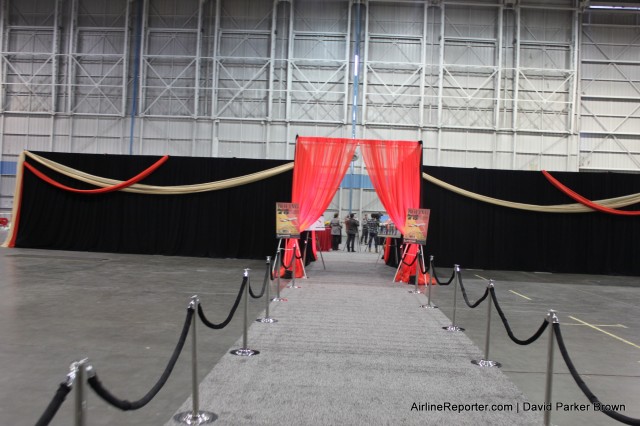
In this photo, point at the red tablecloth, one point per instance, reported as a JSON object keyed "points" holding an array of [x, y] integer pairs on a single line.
{"points": [[324, 239]]}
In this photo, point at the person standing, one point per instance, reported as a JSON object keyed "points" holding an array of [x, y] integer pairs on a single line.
{"points": [[373, 225], [336, 232], [352, 230], [365, 230]]}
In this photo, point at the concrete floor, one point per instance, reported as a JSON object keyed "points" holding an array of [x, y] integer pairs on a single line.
{"points": [[125, 313], [600, 323]]}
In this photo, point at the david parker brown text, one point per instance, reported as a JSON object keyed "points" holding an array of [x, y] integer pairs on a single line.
{"points": [[517, 407]]}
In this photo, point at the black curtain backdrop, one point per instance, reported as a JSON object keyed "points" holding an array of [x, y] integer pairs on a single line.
{"points": [[239, 222], [232, 223], [475, 234]]}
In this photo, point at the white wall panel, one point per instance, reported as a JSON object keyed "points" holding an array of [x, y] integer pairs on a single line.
{"points": [[610, 89]]}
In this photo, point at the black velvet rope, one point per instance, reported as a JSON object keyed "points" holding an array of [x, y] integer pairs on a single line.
{"points": [[224, 323], [412, 262], [274, 266], [290, 263], [531, 339], [125, 405], [466, 299], [583, 386], [54, 405], [435, 275], [264, 284]]}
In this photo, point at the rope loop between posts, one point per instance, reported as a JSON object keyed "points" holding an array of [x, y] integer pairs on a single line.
{"points": [[531, 339], [435, 275], [224, 323], [466, 299], [583, 386], [55, 404], [125, 405], [264, 284], [287, 267], [412, 262]]}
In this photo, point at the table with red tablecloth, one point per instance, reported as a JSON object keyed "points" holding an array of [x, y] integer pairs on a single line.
{"points": [[324, 239]]}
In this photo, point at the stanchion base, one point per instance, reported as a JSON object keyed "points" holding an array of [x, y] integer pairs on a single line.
{"points": [[453, 328], [244, 352], [428, 306], [415, 292], [201, 418], [279, 299], [293, 286], [267, 320], [486, 363]]}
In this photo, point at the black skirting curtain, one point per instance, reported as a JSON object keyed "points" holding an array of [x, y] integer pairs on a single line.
{"points": [[475, 234], [236, 223]]}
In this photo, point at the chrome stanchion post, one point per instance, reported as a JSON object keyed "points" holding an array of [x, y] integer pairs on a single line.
{"points": [[429, 305], [453, 326], [244, 350], [267, 299], [486, 362], [78, 375], [417, 260], [552, 318], [195, 417], [292, 283], [278, 263]]}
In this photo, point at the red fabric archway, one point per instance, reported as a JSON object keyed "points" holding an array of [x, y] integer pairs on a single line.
{"points": [[319, 166], [321, 163]]}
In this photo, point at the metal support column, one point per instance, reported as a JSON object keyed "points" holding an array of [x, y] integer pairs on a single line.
{"points": [[356, 84], [71, 59], [55, 52], [423, 60], [198, 60], [516, 84], [3, 67], [497, 86], [440, 85], [574, 139], [365, 68], [289, 61], [125, 60], [215, 54], [4, 7], [346, 68]]}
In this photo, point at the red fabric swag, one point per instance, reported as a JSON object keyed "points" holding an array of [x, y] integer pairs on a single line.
{"points": [[579, 198]]}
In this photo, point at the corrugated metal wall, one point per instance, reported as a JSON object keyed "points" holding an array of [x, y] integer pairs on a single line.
{"points": [[506, 84]]}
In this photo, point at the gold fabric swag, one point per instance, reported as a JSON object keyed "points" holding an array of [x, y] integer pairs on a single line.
{"points": [[98, 181], [616, 202], [160, 190]]}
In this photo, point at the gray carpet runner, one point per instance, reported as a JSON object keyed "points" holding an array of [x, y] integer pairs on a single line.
{"points": [[352, 348]]}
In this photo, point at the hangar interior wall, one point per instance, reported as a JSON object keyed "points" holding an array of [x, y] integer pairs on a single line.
{"points": [[499, 84]]}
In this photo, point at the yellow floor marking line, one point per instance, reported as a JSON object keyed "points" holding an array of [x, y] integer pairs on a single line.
{"points": [[521, 295], [598, 325], [605, 332], [482, 278]]}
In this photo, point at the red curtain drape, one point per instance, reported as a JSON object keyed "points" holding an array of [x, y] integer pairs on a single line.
{"points": [[320, 164], [394, 169]]}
